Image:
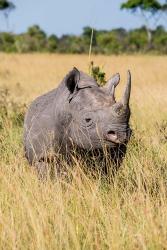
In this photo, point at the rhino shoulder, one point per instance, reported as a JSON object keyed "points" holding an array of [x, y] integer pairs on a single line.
{"points": [[39, 105]]}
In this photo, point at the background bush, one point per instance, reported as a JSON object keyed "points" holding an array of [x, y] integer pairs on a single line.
{"points": [[114, 41]]}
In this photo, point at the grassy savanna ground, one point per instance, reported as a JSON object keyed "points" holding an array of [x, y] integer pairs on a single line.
{"points": [[85, 213]]}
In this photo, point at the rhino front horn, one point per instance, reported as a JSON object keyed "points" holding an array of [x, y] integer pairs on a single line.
{"points": [[126, 96]]}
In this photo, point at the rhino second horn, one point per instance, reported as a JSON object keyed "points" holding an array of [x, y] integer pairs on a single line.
{"points": [[126, 96], [111, 85]]}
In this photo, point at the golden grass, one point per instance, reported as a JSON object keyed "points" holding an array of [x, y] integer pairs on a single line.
{"points": [[87, 213]]}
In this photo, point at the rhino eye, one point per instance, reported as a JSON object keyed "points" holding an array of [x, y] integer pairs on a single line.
{"points": [[87, 122]]}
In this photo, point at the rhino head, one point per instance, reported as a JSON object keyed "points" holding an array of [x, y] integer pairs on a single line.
{"points": [[95, 116]]}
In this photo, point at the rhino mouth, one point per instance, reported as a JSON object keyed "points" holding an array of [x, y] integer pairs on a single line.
{"points": [[103, 143]]}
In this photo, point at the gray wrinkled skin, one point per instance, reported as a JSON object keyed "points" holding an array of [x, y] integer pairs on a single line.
{"points": [[78, 113]]}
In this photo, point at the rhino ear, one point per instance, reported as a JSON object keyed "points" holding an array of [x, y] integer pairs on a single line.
{"points": [[72, 80]]}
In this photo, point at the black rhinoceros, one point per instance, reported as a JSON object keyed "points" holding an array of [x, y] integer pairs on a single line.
{"points": [[78, 113]]}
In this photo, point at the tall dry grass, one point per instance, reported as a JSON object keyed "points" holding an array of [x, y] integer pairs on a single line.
{"points": [[85, 213]]}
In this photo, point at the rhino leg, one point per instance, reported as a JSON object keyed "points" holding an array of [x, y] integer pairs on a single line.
{"points": [[47, 169], [42, 170]]}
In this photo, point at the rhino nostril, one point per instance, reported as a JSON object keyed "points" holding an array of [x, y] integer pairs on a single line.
{"points": [[112, 136], [111, 132]]}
